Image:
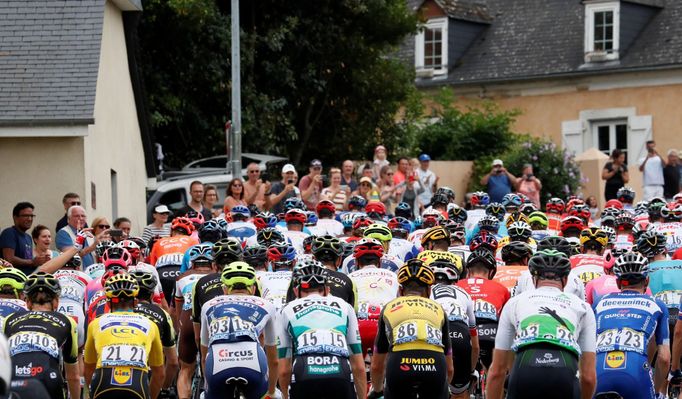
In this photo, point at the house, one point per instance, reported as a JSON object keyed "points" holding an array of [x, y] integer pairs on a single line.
{"points": [[72, 117], [594, 73]]}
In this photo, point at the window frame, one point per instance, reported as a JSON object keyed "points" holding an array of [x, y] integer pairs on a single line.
{"points": [[419, 46], [590, 11], [611, 123]]}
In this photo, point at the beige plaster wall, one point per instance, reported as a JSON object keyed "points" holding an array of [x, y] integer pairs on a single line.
{"points": [[454, 174]]}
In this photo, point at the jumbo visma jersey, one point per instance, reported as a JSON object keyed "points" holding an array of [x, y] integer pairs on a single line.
{"points": [[627, 320], [320, 325], [123, 339]]}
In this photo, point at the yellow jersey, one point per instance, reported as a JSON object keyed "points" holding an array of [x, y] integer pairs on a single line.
{"points": [[123, 339]]}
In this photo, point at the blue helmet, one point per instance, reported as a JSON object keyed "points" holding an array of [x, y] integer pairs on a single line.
{"points": [[211, 231], [240, 210], [201, 252], [282, 254], [511, 200], [347, 220], [294, 202], [311, 219], [403, 209], [357, 202]]}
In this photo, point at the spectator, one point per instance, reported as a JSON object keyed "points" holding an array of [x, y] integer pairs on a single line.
{"points": [[234, 195], [413, 188], [499, 181], [427, 179], [336, 193], [76, 218], [651, 167], [125, 225], [100, 225], [280, 191], [367, 189], [671, 175], [255, 188], [379, 162], [591, 202], [42, 238], [390, 192], [69, 200], [210, 199], [347, 178], [160, 227], [366, 171], [16, 244], [529, 185], [615, 173], [311, 185], [196, 192], [400, 174]]}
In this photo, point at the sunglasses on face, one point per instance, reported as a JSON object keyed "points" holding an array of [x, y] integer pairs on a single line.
{"points": [[254, 171], [103, 226], [74, 203]]}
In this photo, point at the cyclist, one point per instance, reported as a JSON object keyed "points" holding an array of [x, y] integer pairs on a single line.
{"points": [[179, 241], [627, 321], [326, 223], [400, 247], [515, 256], [256, 256], [539, 224], [147, 283], [459, 309], [571, 226], [554, 209], [264, 219], [383, 234], [665, 276], [240, 227], [12, 282], [328, 251], [295, 220], [413, 349], [282, 257], [42, 339], [122, 346], [551, 332], [590, 263], [319, 342], [436, 238], [231, 325]]}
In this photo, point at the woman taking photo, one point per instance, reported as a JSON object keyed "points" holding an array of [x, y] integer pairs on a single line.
{"points": [[42, 238], [234, 195], [615, 173], [335, 192], [390, 193], [366, 189]]}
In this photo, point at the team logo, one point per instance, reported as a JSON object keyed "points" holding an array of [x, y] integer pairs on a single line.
{"points": [[122, 376], [28, 370], [615, 360]]}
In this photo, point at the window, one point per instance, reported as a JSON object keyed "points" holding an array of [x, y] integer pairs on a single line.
{"points": [[431, 48], [609, 135], [602, 31]]}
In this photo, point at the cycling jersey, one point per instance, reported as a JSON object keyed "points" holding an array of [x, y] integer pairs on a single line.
{"points": [[184, 288], [402, 249], [205, 289], [665, 282], [509, 275], [388, 262], [327, 227], [554, 223], [546, 315], [340, 285], [275, 285], [587, 266], [538, 235], [162, 320], [296, 239], [623, 241], [95, 271], [72, 297], [171, 245], [473, 216], [574, 285], [489, 297], [9, 306]]}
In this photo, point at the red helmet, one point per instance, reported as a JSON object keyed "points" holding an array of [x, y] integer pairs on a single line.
{"points": [[582, 211], [183, 223], [116, 256], [678, 198], [573, 202], [368, 246], [571, 222], [295, 215], [132, 247], [196, 217], [361, 222], [326, 204], [555, 205], [613, 203], [484, 239], [375, 207]]}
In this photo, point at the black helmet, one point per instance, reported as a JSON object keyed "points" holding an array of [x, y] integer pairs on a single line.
{"points": [[146, 281], [42, 282], [211, 231], [255, 255], [457, 213], [227, 250], [651, 243], [549, 264], [483, 257], [310, 274], [516, 251], [556, 243], [269, 236], [631, 266], [326, 248], [447, 191], [403, 209]]}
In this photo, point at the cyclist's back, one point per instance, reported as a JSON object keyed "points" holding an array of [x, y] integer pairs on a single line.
{"points": [[171, 245]]}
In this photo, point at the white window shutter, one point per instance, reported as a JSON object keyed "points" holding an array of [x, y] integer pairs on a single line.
{"points": [[572, 135], [640, 132]]}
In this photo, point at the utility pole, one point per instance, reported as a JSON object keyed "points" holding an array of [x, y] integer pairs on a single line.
{"points": [[236, 128]]}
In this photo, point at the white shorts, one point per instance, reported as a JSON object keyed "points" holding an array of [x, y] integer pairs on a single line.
{"points": [[652, 191]]}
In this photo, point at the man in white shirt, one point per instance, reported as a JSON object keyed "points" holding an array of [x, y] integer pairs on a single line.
{"points": [[427, 178], [651, 167]]}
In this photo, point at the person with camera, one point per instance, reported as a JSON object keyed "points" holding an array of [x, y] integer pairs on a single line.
{"points": [[529, 185], [615, 173], [498, 181], [311, 184], [280, 191], [255, 187]]}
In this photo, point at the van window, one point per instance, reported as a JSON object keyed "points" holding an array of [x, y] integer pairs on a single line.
{"points": [[221, 188], [174, 199]]}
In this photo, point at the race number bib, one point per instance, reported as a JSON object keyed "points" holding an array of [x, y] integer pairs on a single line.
{"points": [[29, 341], [229, 327], [417, 330], [671, 299], [673, 234], [72, 292], [124, 355], [321, 341], [368, 310], [485, 310], [627, 339], [454, 311]]}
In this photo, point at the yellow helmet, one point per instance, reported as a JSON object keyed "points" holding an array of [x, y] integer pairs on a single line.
{"points": [[416, 270], [594, 235]]}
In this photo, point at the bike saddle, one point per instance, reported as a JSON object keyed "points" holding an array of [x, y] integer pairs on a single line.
{"points": [[237, 381], [608, 395]]}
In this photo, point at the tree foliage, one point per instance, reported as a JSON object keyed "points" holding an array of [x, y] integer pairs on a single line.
{"points": [[317, 80]]}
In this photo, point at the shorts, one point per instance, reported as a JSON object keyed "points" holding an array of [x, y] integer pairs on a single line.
{"points": [[461, 356], [321, 376], [41, 367], [368, 332], [120, 382], [627, 373], [487, 331], [187, 345], [167, 276], [413, 372], [542, 371], [28, 388], [244, 363]]}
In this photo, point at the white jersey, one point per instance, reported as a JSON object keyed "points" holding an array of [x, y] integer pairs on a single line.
{"points": [[456, 303], [234, 318], [73, 285], [416, 237], [402, 248], [547, 315], [275, 286], [330, 227], [375, 288], [473, 216], [147, 268], [574, 285], [184, 289], [296, 239]]}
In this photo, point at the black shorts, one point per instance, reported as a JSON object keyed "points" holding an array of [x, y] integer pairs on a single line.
{"points": [[544, 371], [487, 330], [41, 367], [27, 389], [323, 377], [120, 382], [413, 372], [460, 337]]}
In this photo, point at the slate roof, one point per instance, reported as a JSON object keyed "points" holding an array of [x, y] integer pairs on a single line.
{"points": [[49, 60], [535, 39], [469, 10]]}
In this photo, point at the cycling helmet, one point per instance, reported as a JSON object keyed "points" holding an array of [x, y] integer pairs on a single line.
{"points": [[555, 205], [310, 275], [295, 215], [75, 262], [378, 231], [368, 247], [434, 234], [240, 212], [142, 244], [102, 246], [651, 243], [516, 251], [117, 256], [269, 236], [375, 209], [282, 255], [255, 255], [582, 211], [495, 209], [489, 223], [484, 240], [527, 208], [348, 248], [611, 211], [447, 192], [641, 207], [264, 219], [632, 267], [610, 233], [446, 266], [456, 229], [479, 199], [41, 282], [325, 208], [183, 224], [227, 250], [361, 222], [238, 274], [614, 203], [608, 221], [415, 270], [572, 201], [347, 220], [555, 243], [511, 201], [483, 257], [308, 244], [146, 281], [538, 220], [439, 199], [524, 198], [14, 279], [571, 223], [514, 217], [519, 231], [431, 217], [403, 209], [678, 198], [593, 238], [357, 202], [654, 209], [121, 285], [626, 195], [671, 212], [311, 218], [457, 213], [201, 253], [197, 218], [549, 264], [294, 203], [400, 226], [625, 221], [639, 228], [326, 246], [211, 232]]}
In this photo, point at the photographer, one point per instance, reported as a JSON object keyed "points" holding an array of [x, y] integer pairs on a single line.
{"points": [[615, 173], [499, 181], [529, 185], [280, 191]]}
